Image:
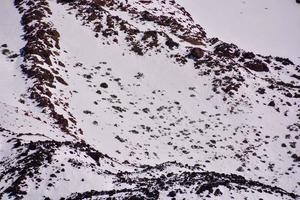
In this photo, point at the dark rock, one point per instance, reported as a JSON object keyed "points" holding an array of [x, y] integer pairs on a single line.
{"points": [[196, 53], [61, 80], [171, 44], [31, 146], [135, 197], [87, 76], [240, 169], [284, 61], [137, 49], [53, 176], [120, 139], [248, 55], [204, 187], [66, 1], [296, 76], [172, 194], [257, 65], [261, 90], [296, 158], [146, 16], [218, 192], [213, 40], [272, 103], [88, 112], [104, 85], [119, 109], [227, 50], [146, 110]]}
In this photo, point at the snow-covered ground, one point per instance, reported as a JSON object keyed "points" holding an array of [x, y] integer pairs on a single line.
{"points": [[269, 27], [10, 37], [211, 116]]}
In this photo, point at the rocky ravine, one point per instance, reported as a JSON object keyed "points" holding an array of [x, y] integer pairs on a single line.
{"points": [[131, 100]]}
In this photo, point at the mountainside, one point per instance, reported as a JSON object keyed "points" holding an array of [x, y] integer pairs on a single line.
{"points": [[261, 26], [129, 99]]}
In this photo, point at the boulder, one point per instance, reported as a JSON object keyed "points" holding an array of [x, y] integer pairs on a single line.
{"points": [[257, 65], [227, 50], [197, 53]]}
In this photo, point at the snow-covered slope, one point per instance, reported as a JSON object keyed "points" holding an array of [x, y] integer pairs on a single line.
{"points": [[131, 100], [267, 27]]}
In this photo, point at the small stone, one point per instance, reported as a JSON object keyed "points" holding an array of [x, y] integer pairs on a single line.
{"points": [[272, 103], [240, 169], [104, 85], [172, 194]]}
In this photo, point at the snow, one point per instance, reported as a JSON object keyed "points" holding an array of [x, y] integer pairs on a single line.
{"points": [[183, 111], [268, 27], [11, 30], [160, 74], [10, 34]]}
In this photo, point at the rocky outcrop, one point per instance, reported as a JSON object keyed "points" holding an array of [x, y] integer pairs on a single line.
{"points": [[39, 55], [196, 184]]}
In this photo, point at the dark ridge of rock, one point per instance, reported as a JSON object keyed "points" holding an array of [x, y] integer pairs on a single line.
{"points": [[39, 36], [197, 183], [33, 156]]}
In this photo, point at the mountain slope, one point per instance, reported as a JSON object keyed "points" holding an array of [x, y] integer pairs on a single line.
{"points": [[136, 101], [264, 27]]}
